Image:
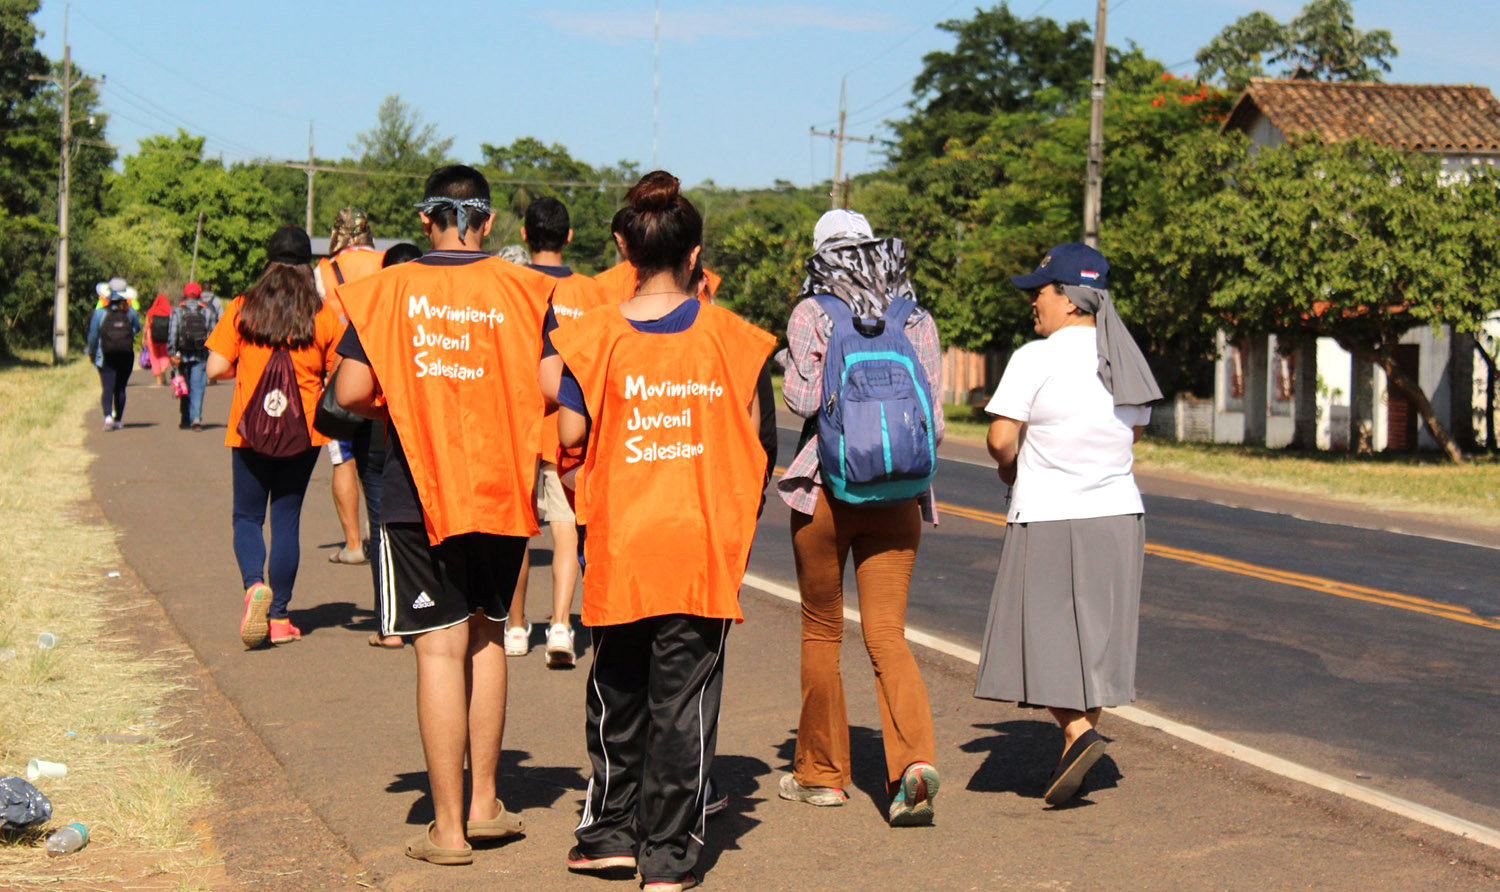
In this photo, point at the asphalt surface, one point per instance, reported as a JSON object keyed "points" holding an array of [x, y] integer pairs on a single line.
{"points": [[1397, 699], [1255, 662]]}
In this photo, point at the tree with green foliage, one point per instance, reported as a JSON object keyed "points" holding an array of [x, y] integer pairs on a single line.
{"points": [[401, 149], [30, 121], [160, 193], [528, 169], [1321, 44], [1353, 241], [999, 63]]}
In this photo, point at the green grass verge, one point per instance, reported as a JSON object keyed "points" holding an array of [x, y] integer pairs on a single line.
{"points": [[138, 800], [1469, 492]]}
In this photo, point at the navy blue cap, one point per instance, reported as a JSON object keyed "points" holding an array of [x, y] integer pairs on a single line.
{"points": [[1071, 263]]}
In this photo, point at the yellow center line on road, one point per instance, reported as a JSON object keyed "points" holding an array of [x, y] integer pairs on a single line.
{"points": [[1319, 584]]}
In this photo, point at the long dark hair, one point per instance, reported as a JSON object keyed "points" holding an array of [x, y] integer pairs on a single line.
{"points": [[280, 307]]}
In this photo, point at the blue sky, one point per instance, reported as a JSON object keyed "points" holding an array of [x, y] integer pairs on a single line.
{"points": [[740, 82]]}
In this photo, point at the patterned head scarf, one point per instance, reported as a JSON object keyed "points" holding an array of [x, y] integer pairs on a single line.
{"points": [[461, 208], [865, 273]]}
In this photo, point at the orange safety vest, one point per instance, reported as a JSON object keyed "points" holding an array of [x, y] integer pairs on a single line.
{"points": [[455, 351], [619, 282], [355, 262], [672, 478], [575, 295]]}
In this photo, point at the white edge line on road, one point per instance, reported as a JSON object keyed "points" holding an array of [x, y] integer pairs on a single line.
{"points": [[1212, 742]]}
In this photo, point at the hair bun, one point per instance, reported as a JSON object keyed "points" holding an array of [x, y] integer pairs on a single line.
{"points": [[656, 191]]}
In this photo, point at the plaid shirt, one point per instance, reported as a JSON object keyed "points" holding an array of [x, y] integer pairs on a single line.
{"points": [[807, 334]]}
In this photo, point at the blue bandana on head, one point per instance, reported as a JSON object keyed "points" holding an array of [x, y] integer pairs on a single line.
{"points": [[460, 207]]}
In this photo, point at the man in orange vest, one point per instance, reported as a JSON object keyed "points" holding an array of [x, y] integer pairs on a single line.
{"points": [[446, 347], [547, 230]]}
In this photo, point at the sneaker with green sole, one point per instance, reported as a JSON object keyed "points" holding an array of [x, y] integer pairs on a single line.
{"points": [[912, 806], [254, 627]]}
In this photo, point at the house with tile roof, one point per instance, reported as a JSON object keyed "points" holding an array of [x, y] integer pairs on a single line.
{"points": [[1316, 394]]}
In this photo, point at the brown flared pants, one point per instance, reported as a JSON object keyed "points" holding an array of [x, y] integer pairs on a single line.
{"points": [[884, 541]]}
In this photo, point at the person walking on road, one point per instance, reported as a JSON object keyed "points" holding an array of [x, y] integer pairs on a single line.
{"points": [[277, 343], [546, 230], [111, 344], [187, 346], [661, 389], [1064, 614], [868, 277], [158, 325], [456, 367], [351, 256]]}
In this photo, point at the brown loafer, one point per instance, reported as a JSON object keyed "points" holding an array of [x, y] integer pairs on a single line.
{"points": [[424, 849], [502, 826]]}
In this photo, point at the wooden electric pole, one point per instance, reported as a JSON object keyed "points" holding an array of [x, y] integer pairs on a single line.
{"points": [[311, 162], [66, 86], [840, 193], [197, 236], [1093, 187]]}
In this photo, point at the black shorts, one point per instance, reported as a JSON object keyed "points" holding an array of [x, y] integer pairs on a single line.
{"points": [[424, 587]]}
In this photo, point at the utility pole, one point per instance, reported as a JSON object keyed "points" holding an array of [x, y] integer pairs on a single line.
{"points": [[197, 235], [655, 84], [1093, 188], [64, 179], [311, 163], [840, 193]]}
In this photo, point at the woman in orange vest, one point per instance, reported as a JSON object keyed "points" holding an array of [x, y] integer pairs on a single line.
{"points": [[662, 389], [279, 317]]}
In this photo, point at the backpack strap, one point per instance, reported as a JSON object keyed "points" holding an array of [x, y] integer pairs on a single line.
{"points": [[837, 310], [898, 313]]}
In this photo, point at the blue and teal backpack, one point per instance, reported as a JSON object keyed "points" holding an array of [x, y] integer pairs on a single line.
{"points": [[876, 442]]}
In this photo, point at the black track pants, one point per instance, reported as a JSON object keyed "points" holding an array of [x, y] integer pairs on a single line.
{"points": [[652, 724]]}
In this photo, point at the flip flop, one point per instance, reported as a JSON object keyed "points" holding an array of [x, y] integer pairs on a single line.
{"points": [[1076, 763], [424, 849], [375, 641], [502, 826]]}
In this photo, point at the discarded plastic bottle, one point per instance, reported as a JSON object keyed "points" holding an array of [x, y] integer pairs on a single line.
{"points": [[67, 840]]}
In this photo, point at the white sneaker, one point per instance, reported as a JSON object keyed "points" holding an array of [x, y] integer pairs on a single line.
{"points": [[559, 646], [517, 640]]}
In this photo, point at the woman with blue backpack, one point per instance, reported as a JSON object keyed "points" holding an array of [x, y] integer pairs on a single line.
{"points": [[863, 366]]}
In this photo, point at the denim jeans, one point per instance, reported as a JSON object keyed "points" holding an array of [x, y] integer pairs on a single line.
{"points": [[281, 482], [196, 373]]}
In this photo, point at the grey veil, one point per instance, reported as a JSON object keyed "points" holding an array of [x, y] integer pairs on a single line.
{"points": [[1122, 367]]}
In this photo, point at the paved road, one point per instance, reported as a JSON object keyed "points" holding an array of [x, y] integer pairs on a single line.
{"points": [[1396, 697], [337, 718]]}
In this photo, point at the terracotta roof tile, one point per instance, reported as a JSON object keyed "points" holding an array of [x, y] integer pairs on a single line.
{"points": [[1419, 117]]}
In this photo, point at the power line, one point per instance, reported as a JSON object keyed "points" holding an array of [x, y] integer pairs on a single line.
{"points": [[893, 47], [146, 106], [113, 33]]}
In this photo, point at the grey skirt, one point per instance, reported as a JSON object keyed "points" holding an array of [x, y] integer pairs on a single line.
{"points": [[1064, 614]]}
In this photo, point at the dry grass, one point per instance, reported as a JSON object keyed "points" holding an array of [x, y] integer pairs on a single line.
{"points": [[138, 800]]}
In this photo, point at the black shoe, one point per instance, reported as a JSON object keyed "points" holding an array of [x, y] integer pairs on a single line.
{"points": [[1076, 763], [578, 861], [714, 800]]}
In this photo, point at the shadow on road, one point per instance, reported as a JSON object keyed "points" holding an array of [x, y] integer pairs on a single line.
{"points": [[736, 776], [1019, 758], [334, 614]]}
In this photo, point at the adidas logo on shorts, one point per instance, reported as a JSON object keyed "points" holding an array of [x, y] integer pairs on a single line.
{"points": [[422, 601]]}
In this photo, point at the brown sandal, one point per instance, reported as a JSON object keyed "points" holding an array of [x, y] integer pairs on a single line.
{"points": [[502, 826], [424, 849]]}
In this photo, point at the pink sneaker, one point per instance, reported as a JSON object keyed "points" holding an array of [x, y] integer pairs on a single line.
{"points": [[282, 631], [253, 625]]}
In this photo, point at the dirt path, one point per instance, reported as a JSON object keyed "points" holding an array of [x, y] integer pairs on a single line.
{"points": [[314, 746]]}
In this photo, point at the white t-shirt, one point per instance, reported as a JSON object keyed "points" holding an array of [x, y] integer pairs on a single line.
{"points": [[1075, 455]]}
